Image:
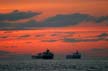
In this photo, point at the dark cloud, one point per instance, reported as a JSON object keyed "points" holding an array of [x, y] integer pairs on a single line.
{"points": [[40, 35], [3, 36], [4, 25], [103, 35], [53, 34], [49, 40], [17, 15], [71, 40], [101, 19], [32, 24], [7, 32], [24, 36], [55, 21], [62, 34], [70, 33], [72, 19], [81, 40], [67, 20]]}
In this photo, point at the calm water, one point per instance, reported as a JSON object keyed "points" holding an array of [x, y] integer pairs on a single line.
{"points": [[54, 65]]}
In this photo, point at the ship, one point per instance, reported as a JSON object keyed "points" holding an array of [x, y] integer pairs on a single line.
{"points": [[44, 55], [75, 55]]}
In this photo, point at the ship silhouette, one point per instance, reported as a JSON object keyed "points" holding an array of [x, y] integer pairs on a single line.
{"points": [[44, 55], [75, 55]]}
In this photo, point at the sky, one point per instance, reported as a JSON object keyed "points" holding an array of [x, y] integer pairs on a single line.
{"points": [[32, 26]]}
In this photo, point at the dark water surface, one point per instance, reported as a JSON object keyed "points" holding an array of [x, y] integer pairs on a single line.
{"points": [[54, 65]]}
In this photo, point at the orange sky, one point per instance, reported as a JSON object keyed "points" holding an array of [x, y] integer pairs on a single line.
{"points": [[48, 7], [51, 8], [32, 44]]}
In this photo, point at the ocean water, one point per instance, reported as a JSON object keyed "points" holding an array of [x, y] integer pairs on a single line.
{"points": [[54, 65]]}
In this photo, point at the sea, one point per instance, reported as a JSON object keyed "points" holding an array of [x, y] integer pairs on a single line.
{"points": [[54, 65]]}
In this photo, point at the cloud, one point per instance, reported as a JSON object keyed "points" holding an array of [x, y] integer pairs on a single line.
{"points": [[72, 19], [70, 33], [49, 40], [103, 35], [101, 19], [81, 40], [5, 25], [54, 21], [17, 15], [67, 20], [53, 35], [6, 32], [3, 36], [24, 36], [32, 24], [39, 35]]}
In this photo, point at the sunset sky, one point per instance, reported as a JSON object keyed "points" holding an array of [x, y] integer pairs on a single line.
{"points": [[63, 26]]}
